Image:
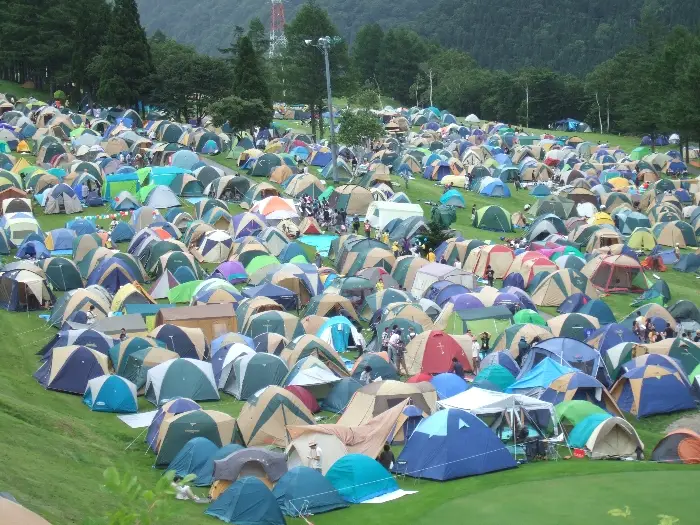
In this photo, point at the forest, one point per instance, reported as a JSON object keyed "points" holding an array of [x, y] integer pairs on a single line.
{"points": [[648, 87], [567, 36]]}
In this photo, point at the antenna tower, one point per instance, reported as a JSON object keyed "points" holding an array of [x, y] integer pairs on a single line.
{"points": [[277, 39]]}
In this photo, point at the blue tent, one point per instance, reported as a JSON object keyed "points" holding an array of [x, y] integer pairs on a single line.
{"points": [[610, 335], [336, 331], [448, 385], [651, 389], [339, 396], [32, 250], [111, 394], [290, 251], [304, 491], [358, 478], [495, 188], [569, 352], [247, 502], [197, 457], [62, 238], [82, 226], [584, 428], [452, 444], [503, 359], [284, 297], [573, 303], [453, 198], [598, 309], [122, 232], [538, 378], [113, 273], [540, 190]]}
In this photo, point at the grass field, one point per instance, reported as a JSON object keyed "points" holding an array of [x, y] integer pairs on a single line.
{"points": [[54, 449]]}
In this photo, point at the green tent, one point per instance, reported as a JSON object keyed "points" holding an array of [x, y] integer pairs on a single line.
{"points": [[571, 413], [444, 215], [253, 372], [260, 262], [326, 194], [494, 377], [182, 293], [493, 218], [264, 164], [640, 152], [182, 427], [62, 274], [145, 191], [529, 316], [492, 319], [175, 378]]}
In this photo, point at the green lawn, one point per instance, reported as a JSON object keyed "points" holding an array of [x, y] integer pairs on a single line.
{"points": [[20, 92]]}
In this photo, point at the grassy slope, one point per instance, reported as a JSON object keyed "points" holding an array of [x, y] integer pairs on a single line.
{"points": [[20, 92], [55, 450]]}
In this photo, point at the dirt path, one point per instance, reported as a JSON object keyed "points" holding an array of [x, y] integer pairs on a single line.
{"points": [[691, 422]]}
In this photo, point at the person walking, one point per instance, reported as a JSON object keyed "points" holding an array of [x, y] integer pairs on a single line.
{"points": [[490, 275]]}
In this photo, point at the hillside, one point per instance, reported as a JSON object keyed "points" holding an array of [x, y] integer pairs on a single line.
{"points": [[571, 37]]}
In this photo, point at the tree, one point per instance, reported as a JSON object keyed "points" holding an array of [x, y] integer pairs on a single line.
{"points": [[435, 235], [249, 81], [136, 505], [304, 68], [124, 62], [400, 56], [241, 114], [359, 128], [259, 37], [366, 98], [365, 51]]}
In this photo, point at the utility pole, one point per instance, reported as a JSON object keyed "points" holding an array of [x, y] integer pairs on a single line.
{"points": [[324, 44]]}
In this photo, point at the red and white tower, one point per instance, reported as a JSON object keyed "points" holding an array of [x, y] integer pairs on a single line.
{"points": [[277, 39]]}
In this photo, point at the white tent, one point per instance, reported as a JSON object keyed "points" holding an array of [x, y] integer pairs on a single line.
{"points": [[380, 213], [485, 403], [472, 118], [434, 272], [234, 352]]}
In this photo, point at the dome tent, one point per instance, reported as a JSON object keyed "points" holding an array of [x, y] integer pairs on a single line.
{"points": [[358, 478], [303, 491], [247, 502], [111, 394]]}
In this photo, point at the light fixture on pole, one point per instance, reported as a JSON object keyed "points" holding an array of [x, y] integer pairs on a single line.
{"points": [[324, 44]]}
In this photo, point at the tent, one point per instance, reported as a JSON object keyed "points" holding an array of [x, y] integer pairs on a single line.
{"points": [[61, 199], [493, 218], [452, 444], [247, 502], [264, 464], [254, 372], [432, 352], [263, 418], [176, 429], [111, 394], [70, 368], [679, 446], [23, 290], [556, 287], [358, 478], [494, 377], [181, 377], [453, 198], [303, 491], [650, 390], [197, 458], [340, 395], [380, 213], [376, 398]]}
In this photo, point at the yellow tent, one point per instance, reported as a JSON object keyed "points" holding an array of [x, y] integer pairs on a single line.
{"points": [[601, 218], [20, 165]]}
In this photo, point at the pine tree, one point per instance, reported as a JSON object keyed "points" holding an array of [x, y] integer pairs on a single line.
{"points": [[124, 63], [249, 81]]}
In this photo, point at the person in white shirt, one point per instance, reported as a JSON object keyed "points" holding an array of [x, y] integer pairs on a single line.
{"points": [[184, 492], [366, 375], [91, 317], [457, 264], [315, 456], [476, 348]]}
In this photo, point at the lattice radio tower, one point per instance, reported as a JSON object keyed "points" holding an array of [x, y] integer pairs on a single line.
{"points": [[277, 39]]}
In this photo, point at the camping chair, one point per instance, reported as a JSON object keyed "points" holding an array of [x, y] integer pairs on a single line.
{"points": [[552, 446]]}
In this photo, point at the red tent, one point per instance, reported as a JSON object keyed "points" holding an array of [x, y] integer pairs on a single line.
{"points": [[432, 352], [419, 378], [306, 397]]}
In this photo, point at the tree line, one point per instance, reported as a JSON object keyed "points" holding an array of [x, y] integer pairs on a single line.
{"points": [[96, 50]]}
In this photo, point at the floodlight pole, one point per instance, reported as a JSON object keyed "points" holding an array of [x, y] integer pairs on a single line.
{"points": [[324, 44]]}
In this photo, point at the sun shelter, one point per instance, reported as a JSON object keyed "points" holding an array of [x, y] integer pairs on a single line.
{"points": [[492, 407], [451, 444], [380, 213], [304, 491], [70, 368], [264, 417], [358, 478], [679, 446], [176, 430], [247, 502], [649, 390], [111, 394], [181, 377]]}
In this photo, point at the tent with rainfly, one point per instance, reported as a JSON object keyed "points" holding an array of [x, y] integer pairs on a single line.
{"points": [[302, 491], [358, 478], [450, 444], [197, 457], [111, 393], [247, 502]]}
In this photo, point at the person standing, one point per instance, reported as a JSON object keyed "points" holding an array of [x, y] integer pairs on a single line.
{"points": [[356, 224], [669, 332], [490, 274], [315, 456], [368, 228], [386, 457], [318, 260], [523, 350], [431, 256], [473, 212]]}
